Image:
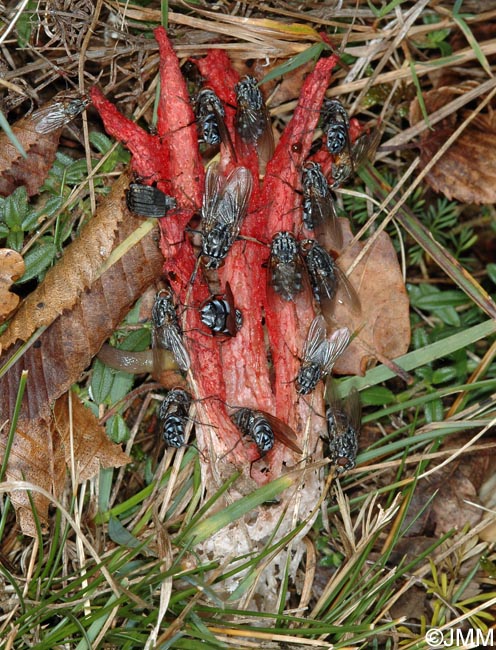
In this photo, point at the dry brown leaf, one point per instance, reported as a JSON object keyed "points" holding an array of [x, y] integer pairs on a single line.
{"points": [[467, 171], [15, 170], [76, 271], [383, 325], [92, 447], [451, 509], [59, 356], [283, 89], [37, 456], [11, 269]]}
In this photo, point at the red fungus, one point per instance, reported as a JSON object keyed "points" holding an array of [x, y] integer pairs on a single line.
{"points": [[238, 370]]}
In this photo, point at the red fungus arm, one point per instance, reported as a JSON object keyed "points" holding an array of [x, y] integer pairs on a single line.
{"points": [[288, 324], [150, 157]]}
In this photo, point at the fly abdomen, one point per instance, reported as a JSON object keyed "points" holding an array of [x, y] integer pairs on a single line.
{"points": [[321, 269], [208, 112], [174, 413], [315, 190], [337, 137], [285, 267], [255, 425], [216, 244], [148, 201], [336, 125], [218, 316]]}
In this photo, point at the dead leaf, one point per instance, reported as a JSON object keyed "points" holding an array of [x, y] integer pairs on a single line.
{"points": [[15, 170], [78, 268], [439, 504], [11, 269], [92, 447], [283, 89], [450, 507], [467, 171], [36, 456], [412, 604], [57, 359], [383, 325]]}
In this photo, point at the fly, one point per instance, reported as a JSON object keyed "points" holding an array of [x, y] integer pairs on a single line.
{"points": [[54, 116], [348, 162], [263, 428], [148, 201], [174, 413], [343, 428], [166, 333], [336, 126], [220, 314], [326, 277], [210, 114], [252, 119], [286, 269], [320, 353], [319, 210], [225, 204]]}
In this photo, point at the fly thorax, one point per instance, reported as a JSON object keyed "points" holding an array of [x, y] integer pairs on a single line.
{"points": [[284, 247]]}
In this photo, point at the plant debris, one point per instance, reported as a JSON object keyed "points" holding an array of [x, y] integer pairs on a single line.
{"points": [[11, 269]]}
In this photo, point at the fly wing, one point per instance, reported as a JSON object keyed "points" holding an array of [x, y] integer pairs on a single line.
{"points": [[49, 118], [231, 316], [336, 345], [224, 134], [347, 292], [57, 114], [282, 431], [265, 143], [336, 289], [177, 348], [353, 409], [342, 170], [315, 337], [337, 407], [325, 221], [284, 282], [365, 147], [214, 183], [235, 197], [167, 337]]}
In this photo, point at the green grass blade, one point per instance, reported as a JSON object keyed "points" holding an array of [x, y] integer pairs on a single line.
{"points": [[219, 520], [11, 135], [312, 53], [17, 407], [472, 41], [418, 358]]}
